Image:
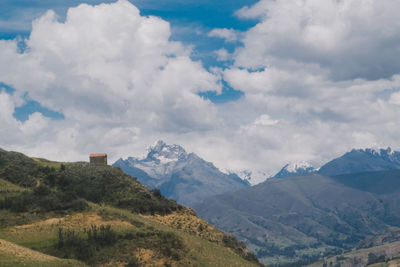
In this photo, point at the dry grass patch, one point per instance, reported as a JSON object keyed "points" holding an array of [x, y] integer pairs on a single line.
{"points": [[34, 233], [147, 257], [12, 255], [24, 253], [80, 220], [189, 223]]}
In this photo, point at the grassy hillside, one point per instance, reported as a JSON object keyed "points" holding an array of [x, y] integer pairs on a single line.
{"points": [[77, 214], [297, 220]]}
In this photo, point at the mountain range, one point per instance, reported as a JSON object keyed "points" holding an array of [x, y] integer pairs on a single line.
{"points": [[298, 220], [355, 161], [363, 160], [182, 176], [310, 214]]}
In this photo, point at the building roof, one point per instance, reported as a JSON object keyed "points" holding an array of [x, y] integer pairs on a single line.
{"points": [[98, 155]]}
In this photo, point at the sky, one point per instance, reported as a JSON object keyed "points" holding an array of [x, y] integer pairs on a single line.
{"points": [[249, 85]]}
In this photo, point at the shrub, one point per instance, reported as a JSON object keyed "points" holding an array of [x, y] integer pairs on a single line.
{"points": [[133, 262], [103, 236], [72, 245], [42, 199]]}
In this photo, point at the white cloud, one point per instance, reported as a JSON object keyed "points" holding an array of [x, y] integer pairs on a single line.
{"points": [[321, 70], [350, 38], [14, 132], [113, 73], [229, 35], [105, 60], [223, 54], [36, 122], [6, 110], [317, 77], [265, 120], [395, 98]]}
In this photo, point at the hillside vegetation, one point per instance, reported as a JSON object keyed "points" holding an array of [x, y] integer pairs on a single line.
{"points": [[78, 214]]}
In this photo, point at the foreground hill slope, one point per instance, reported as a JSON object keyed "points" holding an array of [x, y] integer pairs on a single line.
{"points": [[179, 175], [299, 219], [78, 214]]}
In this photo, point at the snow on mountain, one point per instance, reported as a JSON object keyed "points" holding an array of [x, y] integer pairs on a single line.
{"points": [[161, 159], [388, 154], [253, 177], [294, 169], [183, 176]]}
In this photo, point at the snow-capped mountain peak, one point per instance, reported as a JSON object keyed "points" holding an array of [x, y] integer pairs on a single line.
{"points": [[183, 176], [378, 151], [166, 153], [295, 168], [252, 176]]}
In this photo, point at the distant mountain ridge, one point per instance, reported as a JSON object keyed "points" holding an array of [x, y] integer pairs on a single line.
{"points": [[363, 160], [179, 175], [301, 218], [355, 161], [347, 201]]}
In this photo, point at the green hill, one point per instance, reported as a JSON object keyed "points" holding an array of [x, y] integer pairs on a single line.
{"points": [[77, 214]]}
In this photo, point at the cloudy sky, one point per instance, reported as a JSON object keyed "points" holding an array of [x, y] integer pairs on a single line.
{"points": [[245, 84]]}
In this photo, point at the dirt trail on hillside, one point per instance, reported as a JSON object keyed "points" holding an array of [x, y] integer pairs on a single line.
{"points": [[12, 249]]}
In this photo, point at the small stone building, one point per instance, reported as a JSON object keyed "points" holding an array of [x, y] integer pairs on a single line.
{"points": [[98, 158]]}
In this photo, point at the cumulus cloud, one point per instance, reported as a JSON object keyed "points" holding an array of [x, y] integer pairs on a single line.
{"points": [[223, 54], [14, 132], [112, 73], [229, 35], [343, 37], [395, 98], [265, 120]]}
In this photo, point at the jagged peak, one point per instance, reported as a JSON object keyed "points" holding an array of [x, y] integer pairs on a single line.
{"points": [[165, 153]]}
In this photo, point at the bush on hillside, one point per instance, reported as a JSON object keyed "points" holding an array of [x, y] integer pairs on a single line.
{"points": [[72, 245], [43, 199], [90, 245], [93, 182], [101, 183]]}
